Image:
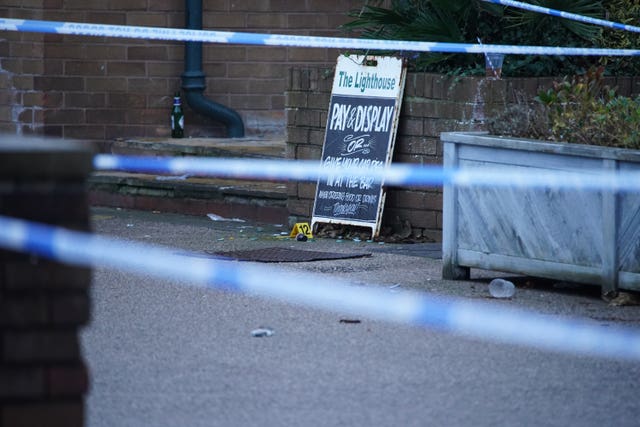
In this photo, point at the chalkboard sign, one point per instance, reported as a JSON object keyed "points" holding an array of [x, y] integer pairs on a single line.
{"points": [[361, 127]]}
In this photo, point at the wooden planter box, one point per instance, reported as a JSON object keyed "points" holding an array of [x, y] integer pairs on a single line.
{"points": [[584, 236]]}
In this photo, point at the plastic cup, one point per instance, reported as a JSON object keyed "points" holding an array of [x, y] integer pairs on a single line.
{"points": [[500, 288], [493, 64]]}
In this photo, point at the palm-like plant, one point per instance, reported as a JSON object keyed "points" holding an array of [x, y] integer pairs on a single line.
{"points": [[533, 20], [449, 21], [466, 21]]}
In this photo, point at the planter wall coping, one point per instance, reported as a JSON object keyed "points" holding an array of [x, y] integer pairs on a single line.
{"points": [[562, 148]]}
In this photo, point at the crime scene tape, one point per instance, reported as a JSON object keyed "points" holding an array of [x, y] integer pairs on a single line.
{"points": [[175, 34], [472, 319], [397, 174], [566, 15]]}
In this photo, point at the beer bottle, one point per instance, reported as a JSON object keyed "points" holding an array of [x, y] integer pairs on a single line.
{"points": [[177, 118]]}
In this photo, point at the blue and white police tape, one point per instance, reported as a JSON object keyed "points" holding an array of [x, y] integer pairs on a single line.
{"points": [[566, 15], [159, 33], [396, 174], [473, 319]]}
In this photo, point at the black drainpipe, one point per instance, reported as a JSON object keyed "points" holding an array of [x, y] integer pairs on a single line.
{"points": [[193, 79]]}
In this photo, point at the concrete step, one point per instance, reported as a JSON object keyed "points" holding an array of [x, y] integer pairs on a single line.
{"points": [[208, 147], [262, 201]]}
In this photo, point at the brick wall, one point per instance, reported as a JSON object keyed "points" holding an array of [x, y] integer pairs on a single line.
{"points": [[43, 377], [105, 88], [20, 62], [432, 104]]}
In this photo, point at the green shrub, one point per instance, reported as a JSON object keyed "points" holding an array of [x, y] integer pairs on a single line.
{"points": [[522, 121], [626, 12], [581, 110]]}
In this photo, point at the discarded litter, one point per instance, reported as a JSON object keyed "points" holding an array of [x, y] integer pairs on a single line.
{"points": [[129, 225], [624, 299], [394, 288], [100, 217], [214, 217], [172, 178], [351, 321], [262, 332], [500, 288]]}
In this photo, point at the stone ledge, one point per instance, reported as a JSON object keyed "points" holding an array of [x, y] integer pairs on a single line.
{"points": [[262, 201], [189, 187], [207, 147]]}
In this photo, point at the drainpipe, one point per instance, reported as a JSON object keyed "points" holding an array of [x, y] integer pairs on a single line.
{"points": [[193, 79]]}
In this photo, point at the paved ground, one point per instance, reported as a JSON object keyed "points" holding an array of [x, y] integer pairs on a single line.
{"points": [[166, 354]]}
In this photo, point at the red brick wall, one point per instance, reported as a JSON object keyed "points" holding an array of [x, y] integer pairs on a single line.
{"points": [[20, 61], [105, 88]]}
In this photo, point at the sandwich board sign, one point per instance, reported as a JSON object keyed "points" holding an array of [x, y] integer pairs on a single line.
{"points": [[360, 134]]}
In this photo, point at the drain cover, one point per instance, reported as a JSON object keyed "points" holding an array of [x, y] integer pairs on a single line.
{"points": [[276, 254]]}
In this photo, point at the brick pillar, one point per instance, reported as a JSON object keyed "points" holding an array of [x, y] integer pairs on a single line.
{"points": [[43, 377]]}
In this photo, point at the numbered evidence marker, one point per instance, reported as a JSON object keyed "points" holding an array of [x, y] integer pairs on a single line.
{"points": [[360, 134], [301, 228]]}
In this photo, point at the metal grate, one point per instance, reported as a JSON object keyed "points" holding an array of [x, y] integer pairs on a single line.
{"points": [[276, 254]]}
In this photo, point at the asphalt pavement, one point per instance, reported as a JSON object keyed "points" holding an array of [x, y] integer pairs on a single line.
{"points": [[165, 353]]}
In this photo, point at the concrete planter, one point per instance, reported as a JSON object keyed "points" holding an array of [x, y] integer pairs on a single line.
{"points": [[584, 236]]}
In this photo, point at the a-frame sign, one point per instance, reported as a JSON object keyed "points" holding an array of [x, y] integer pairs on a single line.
{"points": [[361, 128]]}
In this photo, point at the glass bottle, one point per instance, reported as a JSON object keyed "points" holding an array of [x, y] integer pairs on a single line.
{"points": [[177, 118]]}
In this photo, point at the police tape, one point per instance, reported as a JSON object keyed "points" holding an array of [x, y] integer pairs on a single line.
{"points": [[395, 174], [566, 15], [472, 319], [175, 34]]}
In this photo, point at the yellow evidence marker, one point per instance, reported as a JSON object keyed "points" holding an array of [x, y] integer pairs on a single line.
{"points": [[301, 228]]}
